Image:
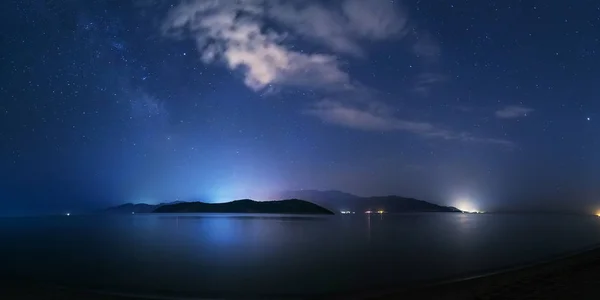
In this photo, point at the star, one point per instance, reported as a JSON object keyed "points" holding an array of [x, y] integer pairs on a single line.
{"points": [[261, 103]]}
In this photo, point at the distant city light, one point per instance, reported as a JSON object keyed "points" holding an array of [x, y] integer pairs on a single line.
{"points": [[380, 211], [368, 212], [68, 214], [133, 212], [466, 205], [345, 212]]}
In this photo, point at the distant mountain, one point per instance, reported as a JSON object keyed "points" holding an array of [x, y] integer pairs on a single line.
{"points": [[330, 200], [140, 208], [292, 206], [402, 204], [337, 201], [333, 200]]}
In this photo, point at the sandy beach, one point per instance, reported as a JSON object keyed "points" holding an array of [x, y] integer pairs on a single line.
{"points": [[575, 276]]}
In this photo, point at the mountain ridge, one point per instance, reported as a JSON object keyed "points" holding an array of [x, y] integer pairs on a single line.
{"points": [[339, 201], [129, 207], [331, 200], [288, 206]]}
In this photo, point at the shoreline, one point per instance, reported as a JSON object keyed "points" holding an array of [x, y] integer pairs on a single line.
{"points": [[566, 275], [572, 274], [516, 268]]}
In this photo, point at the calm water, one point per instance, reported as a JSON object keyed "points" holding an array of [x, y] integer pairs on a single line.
{"points": [[249, 254]]}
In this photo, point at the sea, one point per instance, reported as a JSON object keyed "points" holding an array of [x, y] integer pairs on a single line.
{"points": [[226, 255]]}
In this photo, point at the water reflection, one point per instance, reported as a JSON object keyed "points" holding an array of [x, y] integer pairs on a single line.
{"points": [[369, 228], [276, 254]]}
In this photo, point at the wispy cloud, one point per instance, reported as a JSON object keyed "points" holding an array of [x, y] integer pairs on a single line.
{"points": [[143, 105], [426, 46], [235, 32], [513, 111], [232, 32], [425, 82], [343, 26], [380, 118], [255, 37]]}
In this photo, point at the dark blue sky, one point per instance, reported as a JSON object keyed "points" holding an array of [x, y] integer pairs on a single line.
{"points": [[492, 102]]}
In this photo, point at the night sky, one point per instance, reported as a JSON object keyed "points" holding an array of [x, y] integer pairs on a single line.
{"points": [[107, 102]]}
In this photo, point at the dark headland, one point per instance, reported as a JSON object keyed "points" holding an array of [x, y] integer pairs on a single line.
{"points": [[291, 206], [339, 201], [137, 208], [315, 201]]}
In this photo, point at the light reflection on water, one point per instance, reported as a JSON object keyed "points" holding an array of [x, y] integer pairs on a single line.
{"points": [[279, 254]]}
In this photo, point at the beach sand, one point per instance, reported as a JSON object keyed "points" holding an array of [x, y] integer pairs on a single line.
{"points": [[573, 277]]}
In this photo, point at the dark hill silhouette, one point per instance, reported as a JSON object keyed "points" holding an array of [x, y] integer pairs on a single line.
{"points": [[333, 200], [336, 201], [128, 208], [402, 204], [292, 206]]}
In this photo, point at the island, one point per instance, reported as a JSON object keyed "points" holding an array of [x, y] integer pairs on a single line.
{"points": [[290, 206], [135, 208], [345, 202], [312, 201]]}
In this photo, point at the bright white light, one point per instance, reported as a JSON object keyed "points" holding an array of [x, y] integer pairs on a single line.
{"points": [[367, 212], [345, 212], [68, 214], [467, 205]]}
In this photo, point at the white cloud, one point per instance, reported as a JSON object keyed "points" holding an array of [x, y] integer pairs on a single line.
{"points": [[344, 26], [235, 33], [513, 111]]}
